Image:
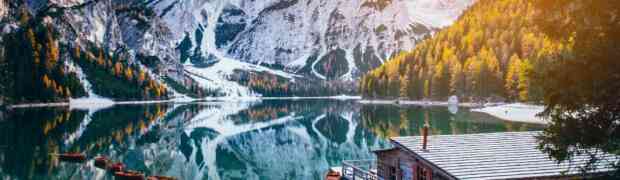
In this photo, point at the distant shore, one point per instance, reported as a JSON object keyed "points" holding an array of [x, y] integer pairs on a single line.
{"points": [[421, 103], [516, 112], [88, 103]]}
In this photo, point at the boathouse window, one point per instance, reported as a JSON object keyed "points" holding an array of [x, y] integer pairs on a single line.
{"points": [[392, 174], [423, 173]]}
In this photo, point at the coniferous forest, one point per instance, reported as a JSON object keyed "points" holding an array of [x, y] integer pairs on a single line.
{"points": [[38, 67], [563, 54], [490, 53]]}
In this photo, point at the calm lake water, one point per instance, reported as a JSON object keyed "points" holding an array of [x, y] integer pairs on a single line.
{"points": [[275, 139]]}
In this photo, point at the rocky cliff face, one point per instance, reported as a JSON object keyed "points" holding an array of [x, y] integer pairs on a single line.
{"points": [[114, 25], [335, 39]]}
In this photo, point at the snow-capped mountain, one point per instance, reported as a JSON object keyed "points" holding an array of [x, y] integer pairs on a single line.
{"points": [[335, 39], [209, 42]]}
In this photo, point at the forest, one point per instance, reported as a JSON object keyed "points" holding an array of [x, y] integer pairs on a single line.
{"points": [[491, 53], [38, 67], [562, 54]]}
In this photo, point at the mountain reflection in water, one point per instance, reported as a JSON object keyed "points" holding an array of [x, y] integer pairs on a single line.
{"points": [[275, 139]]}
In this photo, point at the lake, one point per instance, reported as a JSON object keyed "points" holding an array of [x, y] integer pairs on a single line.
{"points": [[269, 139]]}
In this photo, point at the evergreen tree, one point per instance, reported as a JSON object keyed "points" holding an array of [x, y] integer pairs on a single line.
{"points": [[512, 77], [457, 79], [405, 83], [525, 70], [581, 83]]}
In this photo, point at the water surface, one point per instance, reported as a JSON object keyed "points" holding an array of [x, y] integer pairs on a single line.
{"points": [[274, 139]]}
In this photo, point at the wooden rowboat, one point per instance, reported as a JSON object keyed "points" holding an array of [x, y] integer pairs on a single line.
{"points": [[101, 162], [160, 178], [129, 175], [71, 157], [332, 175], [117, 167]]}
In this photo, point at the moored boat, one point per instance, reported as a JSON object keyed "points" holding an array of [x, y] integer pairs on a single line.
{"points": [[128, 175], [117, 167], [160, 178], [72, 157], [332, 175], [101, 162]]}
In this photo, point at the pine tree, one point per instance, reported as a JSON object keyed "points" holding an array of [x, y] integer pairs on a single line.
{"points": [[46, 81], [405, 82], [33, 43], [77, 53], [52, 54], [67, 92], [457, 79], [129, 74], [118, 69], [512, 77], [141, 76], [427, 89], [524, 80], [100, 58]]}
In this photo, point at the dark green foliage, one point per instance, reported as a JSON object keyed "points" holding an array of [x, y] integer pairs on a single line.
{"points": [[365, 60], [333, 65], [185, 48], [192, 91], [581, 89], [270, 85], [307, 68], [34, 69], [115, 78], [115, 125], [149, 61], [225, 32], [29, 134]]}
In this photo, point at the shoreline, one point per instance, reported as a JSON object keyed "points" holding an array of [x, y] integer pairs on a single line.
{"points": [[88, 103], [515, 112], [423, 103]]}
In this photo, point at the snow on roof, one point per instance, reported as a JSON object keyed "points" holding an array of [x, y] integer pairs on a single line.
{"points": [[505, 155]]}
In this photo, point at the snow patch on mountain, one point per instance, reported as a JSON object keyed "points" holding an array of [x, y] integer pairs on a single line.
{"points": [[217, 76], [288, 32], [437, 13]]}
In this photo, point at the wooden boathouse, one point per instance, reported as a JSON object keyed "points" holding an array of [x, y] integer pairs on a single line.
{"points": [[506, 155]]}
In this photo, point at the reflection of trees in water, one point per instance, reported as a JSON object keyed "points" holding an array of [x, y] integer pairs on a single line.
{"points": [[388, 121], [304, 139], [334, 127], [301, 149], [27, 136], [32, 134], [118, 126], [274, 109], [319, 135]]}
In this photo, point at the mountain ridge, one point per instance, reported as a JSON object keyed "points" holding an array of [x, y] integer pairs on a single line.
{"points": [[283, 38]]}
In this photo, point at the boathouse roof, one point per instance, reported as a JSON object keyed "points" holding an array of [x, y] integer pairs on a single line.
{"points": [[505, 155]]}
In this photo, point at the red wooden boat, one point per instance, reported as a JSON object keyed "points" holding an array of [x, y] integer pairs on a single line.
{"points": [[332, 175], [101, 162], [160, 178], [128, 175], [117, 167], [72, 157]]}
